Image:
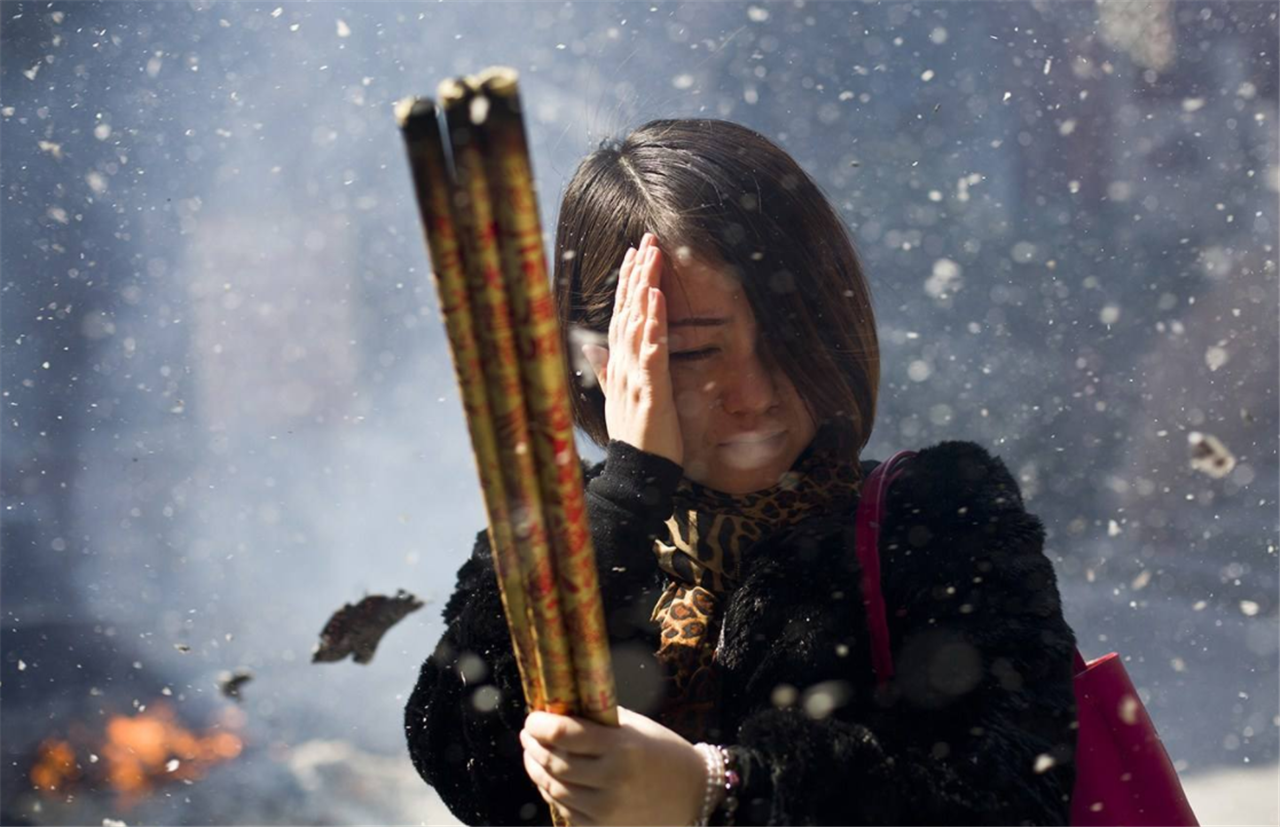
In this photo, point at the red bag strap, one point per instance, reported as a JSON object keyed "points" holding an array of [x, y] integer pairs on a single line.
{"points": [[875, 489]]}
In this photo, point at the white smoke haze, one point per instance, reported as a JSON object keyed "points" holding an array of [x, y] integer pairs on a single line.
{"points": [[229, 405]]}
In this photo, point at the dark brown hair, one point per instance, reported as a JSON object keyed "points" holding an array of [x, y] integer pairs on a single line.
{"points": [[734, 199]]}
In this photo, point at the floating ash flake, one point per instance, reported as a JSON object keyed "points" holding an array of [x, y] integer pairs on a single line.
{"points": [[50, 147], [487, 698], [182, 647], [30, 74], [1113, 528], [113, 822], [1044, 763], [96, 182], [7, 111], [1248, 608], [682, 81], [1024, 252], [172, 764], [343, 29], [945, 278], [1209, 455], [1199, 606], [102, 131], [1067, 127], [919, 371], [821, 700], [22, 665], [1140, 582], [1192, 104], [756, 14], [1109, 314], [58, 214], [1120, 191], [229, 683], [1128, 709], [278, 11], [1006, 97], [1215, 357], [926, 75], [962, 185]]}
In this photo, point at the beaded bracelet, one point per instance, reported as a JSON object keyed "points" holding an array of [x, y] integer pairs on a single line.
{"points": [[715, 777], [721, 772], [732, 780]]}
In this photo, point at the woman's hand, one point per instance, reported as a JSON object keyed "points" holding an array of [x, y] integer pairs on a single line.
{"points": [[639, 772], [634, 372]]}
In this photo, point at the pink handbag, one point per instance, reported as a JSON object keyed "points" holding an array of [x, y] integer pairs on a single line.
{"points": [[1123, 775]]}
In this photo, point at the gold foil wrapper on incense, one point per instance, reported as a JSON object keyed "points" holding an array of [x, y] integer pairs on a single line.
{"points": [[547, 391], [496, 334], [434, 191]]}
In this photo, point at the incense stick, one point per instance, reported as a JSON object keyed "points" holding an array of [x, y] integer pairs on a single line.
{"points": [[546, 389], [420, 126], [473, 214]]}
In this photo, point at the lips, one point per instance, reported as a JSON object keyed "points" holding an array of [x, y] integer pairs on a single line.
{"points": [[753, 449], [753, 437]]}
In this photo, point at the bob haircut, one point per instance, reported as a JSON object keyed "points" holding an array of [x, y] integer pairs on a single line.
{"points": [[732, 198]]}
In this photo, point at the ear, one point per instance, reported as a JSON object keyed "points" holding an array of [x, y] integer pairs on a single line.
{"points": [[598, 359]]}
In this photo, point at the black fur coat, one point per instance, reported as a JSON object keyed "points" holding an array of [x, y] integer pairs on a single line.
{"points": [[978, 725]]}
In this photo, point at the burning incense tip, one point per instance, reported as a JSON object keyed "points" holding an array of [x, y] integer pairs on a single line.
{"points": [[499, 80], [415, 115], [451, 90], [410, 109]]}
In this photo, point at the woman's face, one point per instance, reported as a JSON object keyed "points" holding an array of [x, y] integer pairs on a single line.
{"points": [[742, 422]]}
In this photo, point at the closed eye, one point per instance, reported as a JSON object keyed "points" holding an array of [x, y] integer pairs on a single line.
{"points": [[695, 355]]}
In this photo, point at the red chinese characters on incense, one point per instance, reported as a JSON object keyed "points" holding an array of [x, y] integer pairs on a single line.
{"points": [[485, 239]]}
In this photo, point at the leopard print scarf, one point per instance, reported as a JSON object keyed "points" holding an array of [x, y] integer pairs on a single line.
{"points": [[710, 534]]}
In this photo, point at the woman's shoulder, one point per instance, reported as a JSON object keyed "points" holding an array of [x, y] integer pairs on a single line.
{"points": [[954, 482]]}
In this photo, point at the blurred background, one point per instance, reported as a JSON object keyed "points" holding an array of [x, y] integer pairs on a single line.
{"points": [[229, 409]]}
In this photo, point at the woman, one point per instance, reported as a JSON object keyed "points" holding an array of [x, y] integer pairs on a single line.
{"points": [[736, 391]]}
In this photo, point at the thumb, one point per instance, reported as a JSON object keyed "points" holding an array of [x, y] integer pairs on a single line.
{"points": [[598, 358]]}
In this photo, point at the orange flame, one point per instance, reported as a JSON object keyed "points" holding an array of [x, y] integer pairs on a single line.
{"points": [[55, 767], [139, 753]]}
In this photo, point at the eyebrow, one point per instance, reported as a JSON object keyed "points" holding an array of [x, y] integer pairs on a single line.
{"points": [[698, 321]]}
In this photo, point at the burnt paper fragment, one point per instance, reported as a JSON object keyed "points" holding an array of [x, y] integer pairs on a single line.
{"points": [[230, 682], [356, 629]]}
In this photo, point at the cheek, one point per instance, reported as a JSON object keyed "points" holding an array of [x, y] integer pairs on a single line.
{"points": [[690, 403], [693, 400]]}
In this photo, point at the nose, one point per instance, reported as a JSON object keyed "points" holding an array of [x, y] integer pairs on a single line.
{"points": [[748, 389]]}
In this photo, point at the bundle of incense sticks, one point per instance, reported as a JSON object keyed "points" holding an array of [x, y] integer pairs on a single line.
{"points": [[480, 216]]}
